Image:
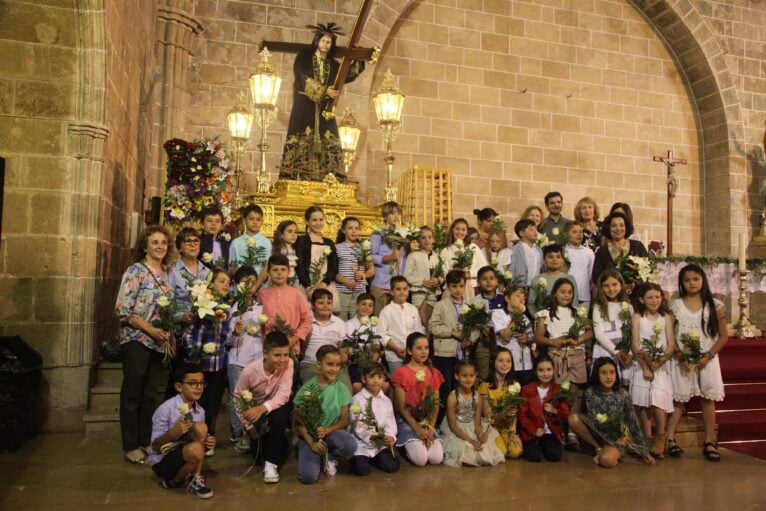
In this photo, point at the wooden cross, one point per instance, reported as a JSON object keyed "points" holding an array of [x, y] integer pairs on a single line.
{"points": [[347, 54], [670, 161]]}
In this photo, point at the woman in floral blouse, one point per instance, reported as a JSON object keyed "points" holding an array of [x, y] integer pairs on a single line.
{"points": [[143, 345]]}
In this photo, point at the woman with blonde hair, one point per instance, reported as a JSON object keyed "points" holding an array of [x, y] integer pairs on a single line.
{"points": [[586, 211]]}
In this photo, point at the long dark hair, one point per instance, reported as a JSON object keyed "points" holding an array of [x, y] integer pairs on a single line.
{"points": [[341, 237], [554, 303], [279, 241], [707, 299], [595, 381], [414, 336], [539, 360], [450, 236], [510, 378], [309, 211]]}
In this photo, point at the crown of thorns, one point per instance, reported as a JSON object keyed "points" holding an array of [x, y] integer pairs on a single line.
{"points": [[331, 29]]}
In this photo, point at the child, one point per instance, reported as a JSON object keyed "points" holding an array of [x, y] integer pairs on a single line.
{"points": [[214, 246], [514, 332], [398, 319], [696, 311], [492, 300], [609, 410], [580, 259], [364, 320], [332, 439], [415, 383], [383, 255], [446, 331], [527, 258], [457, 241], [286, 302], [493, 387], [284, 243], [312, 249], [252, 216], [180, 435], [610, 312], [352, 274], [652, 386], [326, 329], [205, 332], [244, 345], [467, 439], [498, 253], [541, 417], [553, 260], [419, 272], [372, 451], [269, 380]]}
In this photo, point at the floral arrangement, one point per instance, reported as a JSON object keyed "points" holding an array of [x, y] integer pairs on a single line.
{"points": [[424, 412], [167, 310], [636, 269], [463, 258], [626, 343], [244, 402], [198, 175], [692, 351], [651, 347], [474, 317], [581, 323], [255, 255], [396, 237], [317, 265], [361, 341]]}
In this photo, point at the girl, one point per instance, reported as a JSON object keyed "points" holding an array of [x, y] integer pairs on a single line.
{"points": [[696, 311], [617, 229], [586, 211], [456, 242], [284, 243], [473, 236], [203, 333], [610, 424], [497, 251], [651, 386], [417, 382], [513, 327], [493, 387], [352, 274], [492, 300], [484, 219], [420, 271], [313, 248], [541, 416], [610, 312], [468, 439]]}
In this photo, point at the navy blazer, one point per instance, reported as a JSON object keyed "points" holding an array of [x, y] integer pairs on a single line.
{"points": [[206, 245]]}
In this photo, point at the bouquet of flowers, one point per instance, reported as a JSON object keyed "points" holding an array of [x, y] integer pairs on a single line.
{"points": [[692, 351], [213, 262], [581, 323], [651, 347], [636, 269], [367, 416], [440, 236], [396, 237], [506, 279], [363, 255], [519, 321], [245, 402], [474, 317], [167, 310], [463, 258], [255, 255], [317, 266], [543, 241], [565, 393], [361, 341], [542, 297], [424, 412], [626, 343], [437, 271], [510, 398], [243, 297], [185, 411], [309, 411], [611, 426], [205, 305]]}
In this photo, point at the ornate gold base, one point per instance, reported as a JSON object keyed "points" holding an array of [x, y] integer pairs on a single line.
{"points": [[289, 199]]}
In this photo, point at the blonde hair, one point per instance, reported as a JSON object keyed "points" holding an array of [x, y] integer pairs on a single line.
{"points": [[579, 205], [503, 242], [525, 214]]}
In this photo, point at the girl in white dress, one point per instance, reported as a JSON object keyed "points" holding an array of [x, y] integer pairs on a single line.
{"points": [[457, 241], [612, 314], [697, 312], [651, 387]]}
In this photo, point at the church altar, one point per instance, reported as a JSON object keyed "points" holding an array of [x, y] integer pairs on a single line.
{"points": [[723, 278]]}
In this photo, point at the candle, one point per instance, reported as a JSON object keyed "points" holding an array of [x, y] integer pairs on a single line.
{"points": [[741, 239], [645, 237]]}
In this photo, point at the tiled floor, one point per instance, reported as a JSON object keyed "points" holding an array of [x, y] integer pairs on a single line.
{"points": [[65, 471]]}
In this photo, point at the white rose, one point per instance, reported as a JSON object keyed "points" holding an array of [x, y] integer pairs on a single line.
{"points": [[374, 320], [252, 330], [207, 258], [208, 348], [478, 305], [263, 319], [420, 376], [694, 335], [624, 306], [582, 312], [366, 245], [555, 231], [242, 287], [508, 275], [542, 283], [601, 418], [364, 320], [250, 242], [459, 243], [183, 409], [494, 261], [326, 251], [464, 309], [356, 409], [163, 301], [246, 395], [565, 385], [657, 328], [226, 236]]}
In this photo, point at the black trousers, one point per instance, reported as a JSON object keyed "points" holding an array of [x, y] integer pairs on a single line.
{"points": [[272, 447], [547, 446], [141, 375], [446, 366], [384, 460], [212, 396]]}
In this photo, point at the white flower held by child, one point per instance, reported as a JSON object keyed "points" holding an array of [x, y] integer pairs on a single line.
{"points": [[601, 418], [263, 319], [657, 328], [420, 376], [246, 395], [356, 409], [252, 330], [326, 251], [565, 385], [374, 320], [464, 309], [624, 306], [250, 242], [163, 301], [208, 348]]}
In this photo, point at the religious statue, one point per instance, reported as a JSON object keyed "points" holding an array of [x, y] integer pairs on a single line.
{"points": [[312, 147]]}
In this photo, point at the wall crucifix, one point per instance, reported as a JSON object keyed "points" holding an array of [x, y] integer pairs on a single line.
{"points": [[670, 162]]}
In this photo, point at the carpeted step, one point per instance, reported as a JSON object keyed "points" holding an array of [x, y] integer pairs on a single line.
{"points": [[743, 359], [739, 425], [741, 396], [756, 449]]}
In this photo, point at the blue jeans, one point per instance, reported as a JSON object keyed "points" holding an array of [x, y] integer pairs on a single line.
{"points": [[233, 372], [340, 444]]}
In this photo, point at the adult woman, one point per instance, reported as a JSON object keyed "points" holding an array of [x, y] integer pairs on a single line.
{"points": [[484, 219], [143, 345], [534, 213], [616, 230], [586, 211]]}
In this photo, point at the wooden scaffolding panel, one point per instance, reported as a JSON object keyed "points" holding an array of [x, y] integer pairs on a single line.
{"points": [[426, 196]]}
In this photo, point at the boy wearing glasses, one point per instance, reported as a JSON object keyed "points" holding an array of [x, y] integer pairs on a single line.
{"points": [[180, 437]]}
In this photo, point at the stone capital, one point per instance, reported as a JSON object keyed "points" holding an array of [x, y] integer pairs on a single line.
{"points": [[173, 18]]}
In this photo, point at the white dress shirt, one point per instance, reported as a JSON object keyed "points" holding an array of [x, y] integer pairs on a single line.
{"points": [[330, 332], [396, 323], [384, 415]]}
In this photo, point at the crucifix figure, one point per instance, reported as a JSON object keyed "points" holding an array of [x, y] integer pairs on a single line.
{"points": [[312, 147], [670, 161]]}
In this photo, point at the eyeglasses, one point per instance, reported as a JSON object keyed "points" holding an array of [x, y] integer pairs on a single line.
{"points": [[191, 241], [196, 384]]}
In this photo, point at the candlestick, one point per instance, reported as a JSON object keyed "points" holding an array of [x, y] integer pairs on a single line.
{"points": [[744, 329], [742, 260]]}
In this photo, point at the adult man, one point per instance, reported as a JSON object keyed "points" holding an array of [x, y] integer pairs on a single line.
{"points": [[553, 226]]}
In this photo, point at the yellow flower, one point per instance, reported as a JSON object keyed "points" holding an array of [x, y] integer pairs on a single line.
{"points": [[420, 376], [601, 418], [246, 395], [356, 409]]}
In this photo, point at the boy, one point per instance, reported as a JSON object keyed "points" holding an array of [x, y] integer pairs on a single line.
{"points": [[398, 319], [580, 259], [383, 256], [214, 246], [326, 328], [527, 258], [418, 270], [332, 438], [251, 241], [365, 306], [371, 451], [269, 381], [554, 261], [446, 331], [281, 299], [179, 435]]}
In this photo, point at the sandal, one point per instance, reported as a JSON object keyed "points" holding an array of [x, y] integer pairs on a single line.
{"points": [[136, 459], [674, 450], [710, 451]]}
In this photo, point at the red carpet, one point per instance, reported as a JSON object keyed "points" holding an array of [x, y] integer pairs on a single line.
{"points": [[741, 417]]}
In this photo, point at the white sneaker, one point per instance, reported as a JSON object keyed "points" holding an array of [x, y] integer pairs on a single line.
{"points": [[210, 452], [331, 468], [270, 473]]}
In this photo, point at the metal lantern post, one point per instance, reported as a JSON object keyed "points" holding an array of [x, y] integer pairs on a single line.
{"points": [[388, 107], [264, 88], [240, 121], [349, 137]]}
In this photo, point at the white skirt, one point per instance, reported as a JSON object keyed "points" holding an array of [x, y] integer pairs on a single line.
{"points": [[658, 392], [706, 383]]}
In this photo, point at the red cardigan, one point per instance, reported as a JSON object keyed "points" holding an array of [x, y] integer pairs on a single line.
{"points": [[531, 414]]}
